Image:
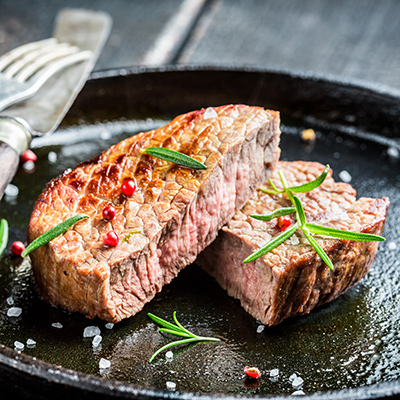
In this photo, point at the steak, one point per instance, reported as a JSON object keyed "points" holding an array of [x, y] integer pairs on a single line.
{"points": [[292, 279], [173, 215]]}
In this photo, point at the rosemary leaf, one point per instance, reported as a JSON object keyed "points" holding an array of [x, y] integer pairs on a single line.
{"points": [[300, 211], [274, 187], [3, 235], [174, 332], [340, 234], [53, 233], [177, 330], [281, 212], [319, 250], [313, 184], [175, 157], [164, 323], [275, 242], [267, 191], [167, 346]]}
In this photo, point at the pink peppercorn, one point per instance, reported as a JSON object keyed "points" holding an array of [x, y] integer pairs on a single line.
{"points": [[111, 238]]}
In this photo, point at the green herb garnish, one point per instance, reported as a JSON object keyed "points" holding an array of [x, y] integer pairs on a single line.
{"points": [[3, 235], [131, 233], [177, 330], [175, 157], [53, 233], [301, 222]]}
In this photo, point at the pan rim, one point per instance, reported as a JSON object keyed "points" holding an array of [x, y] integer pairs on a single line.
{"points": [[47, 372]]}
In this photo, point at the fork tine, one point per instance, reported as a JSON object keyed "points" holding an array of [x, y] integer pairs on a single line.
{"points": [[7, 58], [30, 57], [43, 60], [45, 73]]}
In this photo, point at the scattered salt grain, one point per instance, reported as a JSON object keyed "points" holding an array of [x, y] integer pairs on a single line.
{"points": [[18, 345], [10, 301], [91, 331], [30, 343], [14, 312], [96, 340], [294, 240], [298, 393], [274, 372], [345, 176], [392, 246], [57, 325], [28, 166], [11, 190], [104, 364], [297, 382], [210, 113], [260, 328], [393, 152], [52, 157], [109, 325], [171, 385], [292, 377], [169, 355]]}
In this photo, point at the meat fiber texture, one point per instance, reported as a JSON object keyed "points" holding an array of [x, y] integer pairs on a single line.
{"points": [[177, 211], [292, 279]]}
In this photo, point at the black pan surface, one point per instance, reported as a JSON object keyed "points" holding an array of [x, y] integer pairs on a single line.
{"points": [[347, 349]]}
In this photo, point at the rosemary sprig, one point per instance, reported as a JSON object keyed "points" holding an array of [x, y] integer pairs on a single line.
{"points": [[301, 221], [53, 233], [3, 235], [177, 330], [175, 157], [131, 233]]}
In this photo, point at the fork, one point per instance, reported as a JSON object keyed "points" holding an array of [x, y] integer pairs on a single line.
{"points": [[24, 70]]}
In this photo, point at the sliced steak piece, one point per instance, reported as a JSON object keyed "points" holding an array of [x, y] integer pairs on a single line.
{"points": [[177, 210], [292, 279]]}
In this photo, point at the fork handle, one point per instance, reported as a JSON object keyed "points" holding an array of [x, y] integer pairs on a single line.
{"points": [[9, 160], [15, 137]]}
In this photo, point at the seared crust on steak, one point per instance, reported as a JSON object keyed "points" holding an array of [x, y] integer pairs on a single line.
{"points": [[292, 279], [178, 210]]}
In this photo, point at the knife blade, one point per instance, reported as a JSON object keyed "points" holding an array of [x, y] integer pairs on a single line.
{"points": [[42, 113]]}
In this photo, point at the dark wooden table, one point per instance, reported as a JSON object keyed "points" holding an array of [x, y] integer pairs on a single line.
{"points": [[349, 39]]}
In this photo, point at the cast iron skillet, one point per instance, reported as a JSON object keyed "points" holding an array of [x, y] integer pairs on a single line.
{"points": [[347, 349]]}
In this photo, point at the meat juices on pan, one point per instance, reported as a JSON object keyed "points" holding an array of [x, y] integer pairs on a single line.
{"points": [[292, 279], [177, 210]]}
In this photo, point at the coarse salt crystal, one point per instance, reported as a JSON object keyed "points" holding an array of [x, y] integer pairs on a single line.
{"points": [[14, 312], [298, 393], [292, 377], [96, 340], [10, 301], [169, 355], [171, 385], [274, 372], [260, 328], [294, 240], [210, 113], [11, 190], [91, 331], [297, 382], [52, 157], [109, 325], [30, 343], [104, 364], [57, 325], [392, 245], [18, 345], [345, 176], [28, 166], [393, 152]]}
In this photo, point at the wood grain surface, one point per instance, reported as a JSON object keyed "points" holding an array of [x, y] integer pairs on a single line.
{"points": [[349, 39]]}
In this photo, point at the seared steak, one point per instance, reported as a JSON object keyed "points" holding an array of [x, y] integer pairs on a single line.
{"points": [[292, 279], [177, 210]]}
